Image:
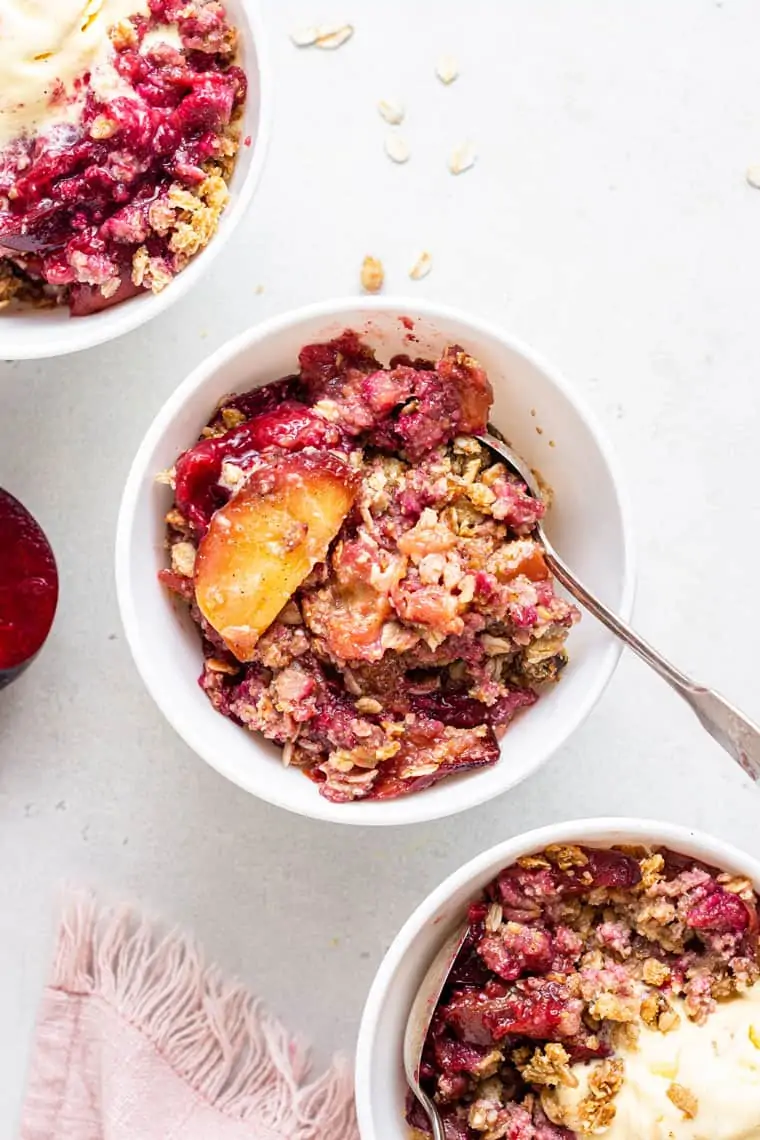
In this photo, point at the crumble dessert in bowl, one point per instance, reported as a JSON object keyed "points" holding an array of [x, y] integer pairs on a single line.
{"points": [[369, 598], [608, 985], [363, 570], [130, 140]]}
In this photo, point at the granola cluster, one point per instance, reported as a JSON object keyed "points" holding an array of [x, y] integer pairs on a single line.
{"points": [[96, 211], [569, 952], [433, 619]]}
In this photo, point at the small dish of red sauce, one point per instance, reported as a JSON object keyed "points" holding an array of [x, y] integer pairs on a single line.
{"points": [[28, 588]]}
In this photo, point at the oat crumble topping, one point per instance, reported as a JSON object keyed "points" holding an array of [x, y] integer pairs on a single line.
{"points": [[684, 1099]]}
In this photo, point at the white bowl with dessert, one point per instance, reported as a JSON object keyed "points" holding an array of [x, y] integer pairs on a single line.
{"points": [[608, 986], [132, 138], [311, 530]]}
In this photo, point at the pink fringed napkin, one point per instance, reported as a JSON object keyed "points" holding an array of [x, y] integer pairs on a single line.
{"points": [[137, 1039]]}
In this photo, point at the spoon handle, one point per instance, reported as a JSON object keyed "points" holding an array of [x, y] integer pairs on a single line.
{"points": [[436, 1124], [727, 725]]}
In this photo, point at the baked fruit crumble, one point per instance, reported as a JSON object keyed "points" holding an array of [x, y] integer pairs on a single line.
{"points": [[363, 572], [116, 179], [601, 992]]}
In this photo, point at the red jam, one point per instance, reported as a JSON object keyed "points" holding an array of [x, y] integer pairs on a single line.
{"points": [[292, 427], [28, 587]]}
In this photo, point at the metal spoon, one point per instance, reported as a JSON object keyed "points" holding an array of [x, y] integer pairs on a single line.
{"points": [[726, 724], [420, 1016]]}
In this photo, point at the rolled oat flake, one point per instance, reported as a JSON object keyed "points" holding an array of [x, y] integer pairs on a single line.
{"points": [[447, 69], [397, 148], [392, 111], [421, 267], [462, 158]]}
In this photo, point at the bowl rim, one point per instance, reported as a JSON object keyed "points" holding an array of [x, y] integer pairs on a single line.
{"points": [[131, 317], [186, 391], [596, 831]]}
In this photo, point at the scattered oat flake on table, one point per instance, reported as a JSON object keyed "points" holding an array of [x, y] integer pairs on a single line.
{"points": [[325, 36], [372, 275], [421, 267], [330, 38], [391, 111], [447, 69], [462, 158], [753, 175], [304, 37], [396, 148], [333, 35]]}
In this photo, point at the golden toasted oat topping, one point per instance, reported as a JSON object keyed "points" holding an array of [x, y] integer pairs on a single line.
{"points": [[548, 1066], [684, 1099]]}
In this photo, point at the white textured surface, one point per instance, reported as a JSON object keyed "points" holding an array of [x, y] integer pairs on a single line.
{"points": [[607, 221]]}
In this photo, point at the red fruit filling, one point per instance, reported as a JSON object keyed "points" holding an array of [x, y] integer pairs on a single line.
{"points": [[291, 427], [93, 213], [401, 408], [720, 912], [28, 587], [432, 620], [564, 951]]}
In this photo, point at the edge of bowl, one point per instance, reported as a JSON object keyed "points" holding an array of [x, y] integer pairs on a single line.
{"points": [[323, 809], [596, 831], [134, 316]]}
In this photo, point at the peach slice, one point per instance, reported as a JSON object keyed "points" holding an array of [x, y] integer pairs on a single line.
{"points": [[261, 545], [532, 565], [523, 557]]}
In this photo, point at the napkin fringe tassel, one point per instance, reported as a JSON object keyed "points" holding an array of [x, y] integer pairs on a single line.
{"points": [[214, 1034]]}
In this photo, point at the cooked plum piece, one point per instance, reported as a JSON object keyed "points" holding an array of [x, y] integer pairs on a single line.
{"points": [[264, 542]]}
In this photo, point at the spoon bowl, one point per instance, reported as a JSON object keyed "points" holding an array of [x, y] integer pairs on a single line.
{"points": [[420, 1016]]}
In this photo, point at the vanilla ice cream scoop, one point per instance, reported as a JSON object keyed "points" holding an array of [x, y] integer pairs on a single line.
{"points": [[712, 1070], [45, 47]]}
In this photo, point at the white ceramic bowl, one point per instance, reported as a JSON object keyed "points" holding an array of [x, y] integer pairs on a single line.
{"points": [[380, 1083], [33, 334], [588, 526]]}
